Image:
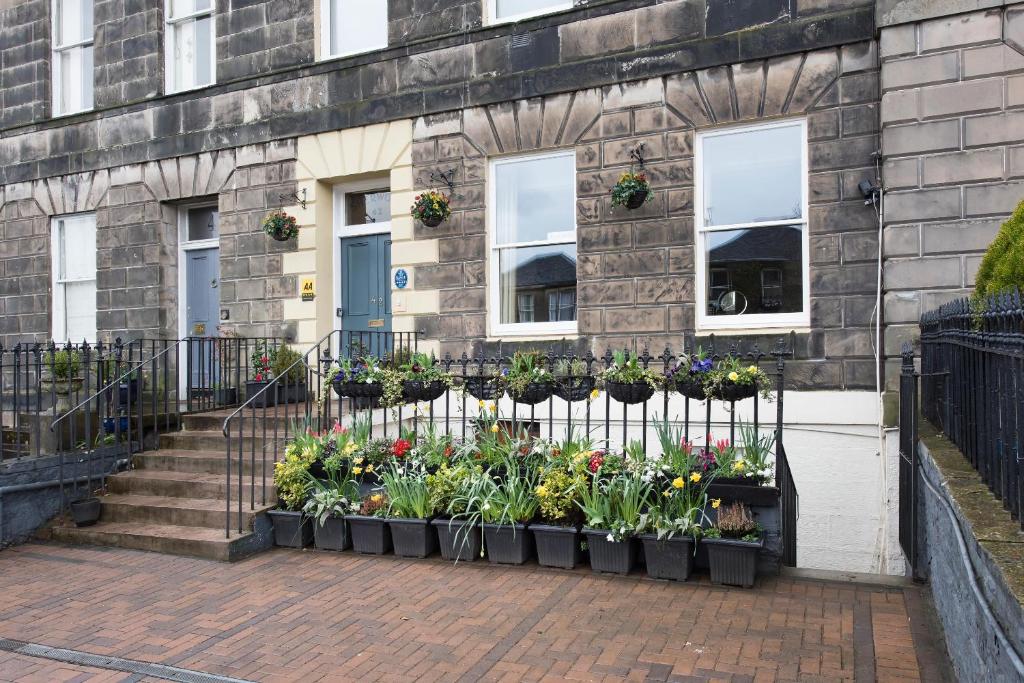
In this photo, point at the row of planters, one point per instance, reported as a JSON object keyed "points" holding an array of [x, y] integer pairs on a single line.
{"points": [[530, 378], [511, 499]]}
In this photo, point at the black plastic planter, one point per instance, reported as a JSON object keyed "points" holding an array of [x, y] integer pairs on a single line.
{"points": [[413, 537], [733, 392], [357, 389], [630, 394], [670, 558], [636, 199], [86, 512], [557, 546], [291, 529], [266, 399], [575, 389], [690, 387], [417, 390], [370, 535], [484, 388], [612, 557], [732, 562], [332, 534], [292, 393], [533, 393], [459, 541], [508, 543]]}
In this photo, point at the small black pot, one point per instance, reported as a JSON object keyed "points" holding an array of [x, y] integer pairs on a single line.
{"points": [[613, 557], [266, 399], [636, 199], [671, 558], [332, 534], [534, 393], [733, 392], [484, 388], [129, 388], [690, 387], [459, 540], [507, 543], [413, 537], [86, 512], [370, 535], [557, 546], [112, 425], [293, 393], [291, 529], [576, 389], [345, 389], [630, 394], [417, 390], [431, 221], [732, 562]]}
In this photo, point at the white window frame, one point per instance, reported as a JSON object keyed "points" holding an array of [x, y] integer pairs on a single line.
{"points": [[498, 328], [753, 321], [492, 12], [341, 228], [170, 27], [59, 327], [325, 36], [57, 96]]}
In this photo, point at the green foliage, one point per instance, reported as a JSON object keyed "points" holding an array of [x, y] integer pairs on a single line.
{"points": [[280, 223], [1002, 268], [513, 498], [261, 360], [526, 368], [558, 494], [446, 484], [627, 369], [64, 363], [408, 491], [630, 182], [431, 204], [291, 476], [286, 359], [616, 503], [731, 371]]}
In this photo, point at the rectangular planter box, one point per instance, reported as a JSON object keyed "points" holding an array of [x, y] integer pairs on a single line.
{"points": [[612, 557], [293, 393], [266, 399], [557, 546], [332, 534], [507, 543], [291, 529], [458, 540], [671, 558], [370, 535], [732, 562], [413, 537]]}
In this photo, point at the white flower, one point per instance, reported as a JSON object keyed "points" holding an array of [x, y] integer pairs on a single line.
{"points": [[487, 506], [610, 538]]}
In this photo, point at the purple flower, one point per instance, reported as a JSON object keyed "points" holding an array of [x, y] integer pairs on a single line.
{"points": [[701, 365], [504, 372]]}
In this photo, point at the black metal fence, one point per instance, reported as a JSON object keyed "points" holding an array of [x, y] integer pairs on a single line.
{"points": [[908, 457], [972, 387], [218, 368], [258, 430]]}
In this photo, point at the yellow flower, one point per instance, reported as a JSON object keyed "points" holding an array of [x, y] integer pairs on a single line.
{"points": [[594, 394], [369, 468], [351, 448], [494, 428], [357, 470], [678, 482], [695, 477], [738, 465], [542, 490], [376, 498], [733, 376], [667, 493], [492, 406], [716, 502], [482, 403], [752, 369], [359, 460]]}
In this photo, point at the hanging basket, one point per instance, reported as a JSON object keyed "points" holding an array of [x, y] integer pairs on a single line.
{"points": [[733, 392], [534, 393], [690, 387], [418, 390], [346, 389], [575, 389], [432, 221], [483, 388], [637, 199], [280, 226], [630, 394]]}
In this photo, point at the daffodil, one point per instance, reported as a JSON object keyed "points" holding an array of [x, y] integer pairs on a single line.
{"points": [[594, 394], [752, 369], [716, 503], [678, 482], [695, 477], [667, 493], [376, 498], [482, 404], [369, 469], [738, 466], [494, 428], [357, 470], [542, 490], [492, 406], [359, 460], [733, 376]]}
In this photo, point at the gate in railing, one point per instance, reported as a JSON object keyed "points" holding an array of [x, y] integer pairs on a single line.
{"points": [[257, 431]]}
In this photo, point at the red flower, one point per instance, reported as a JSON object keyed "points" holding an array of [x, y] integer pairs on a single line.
{"points": [[400, 448], [259, 377], [596, 460], [448, 450], [338, 429]]}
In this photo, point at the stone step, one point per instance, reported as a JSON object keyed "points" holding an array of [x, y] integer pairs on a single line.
{"points": [[216, 441], [202, 462], [171, 539], [168, 510], [284, 417], [188, 485]]}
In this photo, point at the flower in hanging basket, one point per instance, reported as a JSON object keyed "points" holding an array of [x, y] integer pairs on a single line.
{"points": [[632, 190], [431, 208], [280, 226]]}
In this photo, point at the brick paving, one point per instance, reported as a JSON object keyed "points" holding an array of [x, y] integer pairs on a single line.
{"points": [[310, 616]]}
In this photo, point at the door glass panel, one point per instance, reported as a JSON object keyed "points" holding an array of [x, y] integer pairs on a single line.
{"points": [[362, 208], [203, 223]]}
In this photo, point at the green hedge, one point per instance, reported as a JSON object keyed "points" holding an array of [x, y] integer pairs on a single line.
{"points": [[1002, 269]]}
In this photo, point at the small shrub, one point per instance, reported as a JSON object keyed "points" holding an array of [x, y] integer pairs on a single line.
{"points": [[64, 364], [1002, 268], [285, 358], [735, 521]]}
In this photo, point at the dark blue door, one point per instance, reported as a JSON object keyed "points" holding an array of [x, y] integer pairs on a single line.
{"points": [[366, 294]]}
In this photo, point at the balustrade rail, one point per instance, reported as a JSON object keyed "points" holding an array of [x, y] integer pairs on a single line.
{"points": [[972, 387]]}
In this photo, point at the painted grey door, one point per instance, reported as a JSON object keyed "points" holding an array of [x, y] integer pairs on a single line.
{"points": [[202, 312], [365, 293]]}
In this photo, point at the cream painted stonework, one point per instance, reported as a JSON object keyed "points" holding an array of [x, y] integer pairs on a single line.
{"points": [[329, 159]]}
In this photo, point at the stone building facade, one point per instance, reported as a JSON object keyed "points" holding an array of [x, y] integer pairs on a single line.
{"points": [[922, 94]]}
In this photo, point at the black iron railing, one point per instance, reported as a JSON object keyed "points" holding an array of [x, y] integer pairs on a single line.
{"points": [[972, 387], [217, 369], [908, 457], [258, 430]]}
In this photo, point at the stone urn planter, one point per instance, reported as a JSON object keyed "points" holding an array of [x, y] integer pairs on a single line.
{"points": [[62, 391], [291, 529]]}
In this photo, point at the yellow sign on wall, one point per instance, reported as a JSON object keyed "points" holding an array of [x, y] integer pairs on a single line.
{"points": [[308, 290]]}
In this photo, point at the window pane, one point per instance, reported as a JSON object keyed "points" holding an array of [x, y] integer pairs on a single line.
{"points": [[358, 25], [758, 270], [184, 54], [754, 175], [86, 76], [203, 223], [203, 46], [367, 207], [535, 200], [511, 8], [546, 275], [80, 310], [180, 8], [86, 20], [77, 242]]}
